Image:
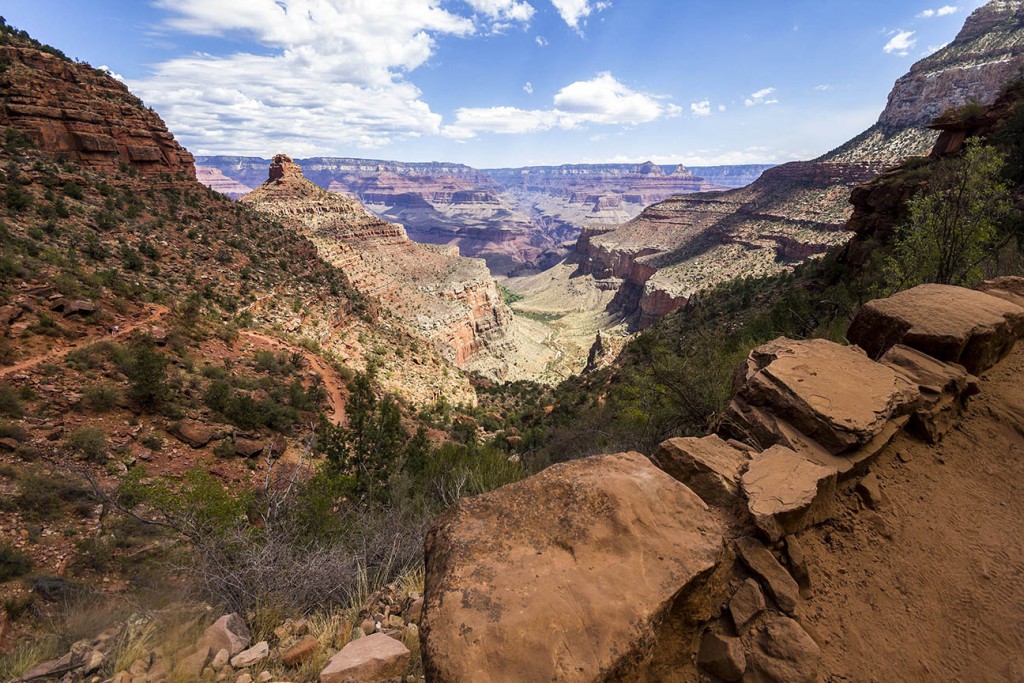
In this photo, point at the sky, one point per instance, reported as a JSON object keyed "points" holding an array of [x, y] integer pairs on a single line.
{"points": [[494, 83]]}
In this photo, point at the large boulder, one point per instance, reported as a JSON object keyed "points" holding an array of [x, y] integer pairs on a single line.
{"points": [[708, 466], [944, 388], [779, 650], [195, 434], [564, 576], [786, 492], [227, 633], [1008, 287], [952, 324], [367, 660], [833, 394]]}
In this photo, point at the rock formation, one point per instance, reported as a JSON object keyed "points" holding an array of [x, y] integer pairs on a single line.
{"points": [[798, 210], [435, 293], [77, 112], [536, 581], [215, 180]]}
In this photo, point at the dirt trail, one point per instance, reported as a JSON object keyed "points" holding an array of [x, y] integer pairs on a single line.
{"points": [[930, 587], [157, 311], [333, 382]]}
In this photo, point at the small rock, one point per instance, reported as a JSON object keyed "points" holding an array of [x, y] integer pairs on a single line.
{"points": [[746, 603], [254, 654], [415, 611], [778, 649], [244, 678], [190, 667], [229, 633], [870, 491], [367, 660], [786, 492], [722, 656], [780, 585], [300, 651], [798, 564], [220, 660], [395, 621], [368, 627]]}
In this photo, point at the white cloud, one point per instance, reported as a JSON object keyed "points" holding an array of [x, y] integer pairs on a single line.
{"points": [[601, 100], [575, 12], [504, 10], [762, 96], [528, 88], [328, 75], [701, 109], [932, 49], [943, 11], [541, 40], [823, 87], [721, 107], [901, 43], [112, 73]]}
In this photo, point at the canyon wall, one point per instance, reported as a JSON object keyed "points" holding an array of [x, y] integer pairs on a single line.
{"points": [[80, 113], [796, 211], [431, 291]]}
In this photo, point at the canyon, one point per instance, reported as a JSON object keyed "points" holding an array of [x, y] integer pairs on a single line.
{"points": [[657, 261], [440, 296], [513, 218]]}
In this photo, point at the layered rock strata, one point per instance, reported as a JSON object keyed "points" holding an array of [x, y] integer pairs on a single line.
{"points": [[77, 112], [797, 211], [434, 292]]}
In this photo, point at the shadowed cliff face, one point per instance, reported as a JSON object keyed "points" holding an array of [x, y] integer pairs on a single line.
{"points": [[432, 292], [80, 113], [796, 211]]}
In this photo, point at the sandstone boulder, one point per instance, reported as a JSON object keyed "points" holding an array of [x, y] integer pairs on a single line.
{"points": [[787, 493], [302, 650], [722, 656], [944, 389], [367, 660], [1008, 288], [194, 434], [780, 651], [833, 394], [778, 582], [746, 603], [952, 324], [708, 466], [254, 654], [227, 633], [566, 575]]}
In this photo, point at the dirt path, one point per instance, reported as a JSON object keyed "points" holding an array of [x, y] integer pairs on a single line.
{"points": [[930, 587], [333, 382], [157, 311]]}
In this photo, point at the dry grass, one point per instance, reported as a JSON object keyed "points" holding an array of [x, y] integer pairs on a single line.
{"points": [[22, 658]]}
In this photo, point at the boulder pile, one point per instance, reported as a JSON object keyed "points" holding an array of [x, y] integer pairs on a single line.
{"points": [[579, 572]]}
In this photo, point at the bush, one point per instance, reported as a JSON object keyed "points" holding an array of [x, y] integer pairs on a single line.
{"points": [[146, 369], [10, 430], [43, 497], [90, 442], [101, 397], [13, 562], [10, 403]]}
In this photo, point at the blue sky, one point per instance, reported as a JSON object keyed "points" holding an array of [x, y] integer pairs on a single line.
{"points": [[506, 82]]}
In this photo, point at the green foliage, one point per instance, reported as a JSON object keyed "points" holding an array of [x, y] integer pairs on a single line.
{"points": [[89, 442], [101, 397], [146, 369], [45, 497], [14, 563], [10, 402], [508, 296], [955, 223]]}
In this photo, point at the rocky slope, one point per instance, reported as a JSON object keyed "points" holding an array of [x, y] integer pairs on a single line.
{"points": [[798, 210], [81, 113], [450, 300], [843, 498]]}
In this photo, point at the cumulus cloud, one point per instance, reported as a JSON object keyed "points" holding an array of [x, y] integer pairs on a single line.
{"points": [[504, 10], [701, 109], [325, 75], [901, 43], [943, 11], [575, 12], [763, 96], [541, 40], [528, 88], [601, 100]]}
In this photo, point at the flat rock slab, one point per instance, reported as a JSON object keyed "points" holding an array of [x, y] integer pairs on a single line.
{"points": [[368, 660], [782, 588], [787, 493], [708, 466], [952, 324], [834, 394], [944, 388], [564, 576], [1008, 288]]}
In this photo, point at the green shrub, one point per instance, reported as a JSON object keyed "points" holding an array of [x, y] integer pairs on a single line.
{"points": [[101, 397], [89, 442], [146, 369], [10, 430], [10, 403], [44, 497], [13, 562]]}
